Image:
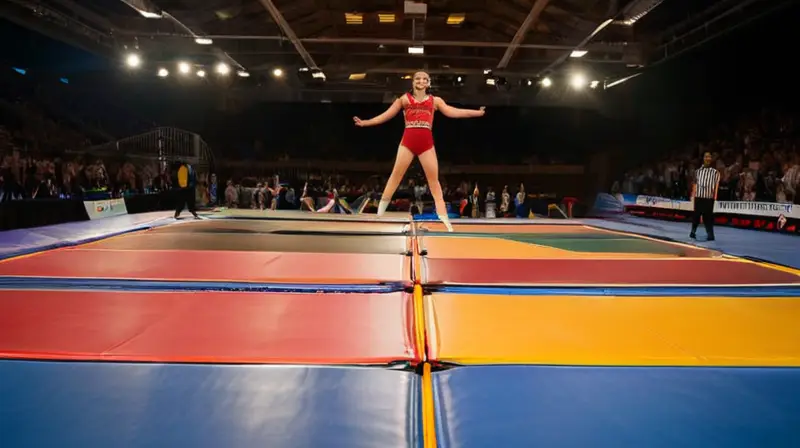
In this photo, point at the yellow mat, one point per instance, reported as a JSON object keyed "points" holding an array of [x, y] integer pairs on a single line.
{"points": [[647, 331]]}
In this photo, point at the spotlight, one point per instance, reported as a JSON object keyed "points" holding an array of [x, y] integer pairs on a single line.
{"points": [[578, 81], [184, 68], [133, 60], [277, 73], [201, 73], [163, 73], [546, 82], [223, 68]]}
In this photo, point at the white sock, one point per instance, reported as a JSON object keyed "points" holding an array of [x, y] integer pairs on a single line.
{"points": [[382, 206]]}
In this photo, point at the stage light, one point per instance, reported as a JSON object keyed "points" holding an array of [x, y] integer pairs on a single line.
{"points": [[318, 75], [243, 74], [203, 41], [547, 82], [223, 68], [163, 73], [578, 81], [277, 73], [201, 73], [184, 68], [133, 60]]}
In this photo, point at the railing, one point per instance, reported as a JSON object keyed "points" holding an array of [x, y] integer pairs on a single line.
{"points": [[165, 144]]}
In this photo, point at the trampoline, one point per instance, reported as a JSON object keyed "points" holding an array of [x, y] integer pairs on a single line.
{"points": [[290, 329]]}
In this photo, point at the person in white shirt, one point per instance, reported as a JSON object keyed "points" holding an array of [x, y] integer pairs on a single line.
{"points": [[704, 194]]}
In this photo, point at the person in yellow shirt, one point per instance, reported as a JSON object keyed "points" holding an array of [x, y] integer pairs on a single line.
{"points": [[185, 181]]}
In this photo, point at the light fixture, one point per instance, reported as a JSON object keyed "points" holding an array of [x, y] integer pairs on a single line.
{"points": [[163, 73], [150, 15], [184, 68], [594, 84], [277, 73], [353, 18], [416, 49], [201, 73], [456, 19], [203, 41], [243, 74], [578, 53], [357, 76], [578, 81], [546, 82], [385, 18], [222, 68], [133, 60]]}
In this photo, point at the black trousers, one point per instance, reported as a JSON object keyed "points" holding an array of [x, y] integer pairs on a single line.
{"points": [[184, 197], [703, 208]]}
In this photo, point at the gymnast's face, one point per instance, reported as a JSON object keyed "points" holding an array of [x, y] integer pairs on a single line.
{"points": [[421, 81]]}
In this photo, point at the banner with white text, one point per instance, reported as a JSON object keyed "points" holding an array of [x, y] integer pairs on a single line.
{"points": [[748, 208], [743, 214]]}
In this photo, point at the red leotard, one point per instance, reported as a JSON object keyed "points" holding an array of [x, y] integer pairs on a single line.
{"points": [[418, 136]]}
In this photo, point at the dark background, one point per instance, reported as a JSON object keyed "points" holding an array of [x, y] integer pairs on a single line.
{"points": [[743, 71]]}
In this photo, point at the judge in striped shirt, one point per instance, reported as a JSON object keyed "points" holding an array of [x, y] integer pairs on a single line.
{"points": [[704, 193]]}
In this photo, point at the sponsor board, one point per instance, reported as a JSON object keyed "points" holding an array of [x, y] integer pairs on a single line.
{"points": [[747, 208], [105, 208], [744, 214]]}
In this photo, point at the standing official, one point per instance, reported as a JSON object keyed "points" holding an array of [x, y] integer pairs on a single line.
{"points": [[184, 181], [704, 193]]}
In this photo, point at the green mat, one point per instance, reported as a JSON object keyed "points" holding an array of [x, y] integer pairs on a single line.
{"points": [[583, 242]]}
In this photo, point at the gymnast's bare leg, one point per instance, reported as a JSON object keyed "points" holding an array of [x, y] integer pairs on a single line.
{"points": [[401, 164], [430, 164]]}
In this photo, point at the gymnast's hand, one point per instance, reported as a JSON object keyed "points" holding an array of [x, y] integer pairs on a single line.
{"points": [[358, 122], [482, 111]]}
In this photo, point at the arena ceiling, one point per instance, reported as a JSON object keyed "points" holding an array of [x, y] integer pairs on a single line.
{"points": [[356, 46]]}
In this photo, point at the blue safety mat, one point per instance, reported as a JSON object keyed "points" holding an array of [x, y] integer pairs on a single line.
{"points": [[762, 245], [433, 216], [548, 406], [24, 241], [9, 282], [624, 291], [65, 405]]}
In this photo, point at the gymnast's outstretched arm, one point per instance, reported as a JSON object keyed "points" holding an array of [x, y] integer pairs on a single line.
{"points": [[454, 112], [390, 113]]}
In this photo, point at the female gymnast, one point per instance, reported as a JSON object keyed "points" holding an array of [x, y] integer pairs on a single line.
{"points": [[417, 139]]}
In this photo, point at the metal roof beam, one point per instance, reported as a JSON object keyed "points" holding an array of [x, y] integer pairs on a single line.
{"points": [[289, 32], [522, 31], [602, 47]]}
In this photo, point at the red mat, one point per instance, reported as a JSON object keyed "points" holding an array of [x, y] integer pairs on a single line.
{"points": [[175, 265], [602, 272], [208, 327]]}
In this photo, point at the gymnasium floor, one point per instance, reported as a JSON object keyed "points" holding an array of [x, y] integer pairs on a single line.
{"points": [[283, 329]]}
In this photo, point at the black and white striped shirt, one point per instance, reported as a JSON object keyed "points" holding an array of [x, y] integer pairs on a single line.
{"points": [[706, 179]]}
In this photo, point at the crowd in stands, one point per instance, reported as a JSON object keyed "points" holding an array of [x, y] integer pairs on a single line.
{"points": [[758, 159], [43, 146], [42, 177]]}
